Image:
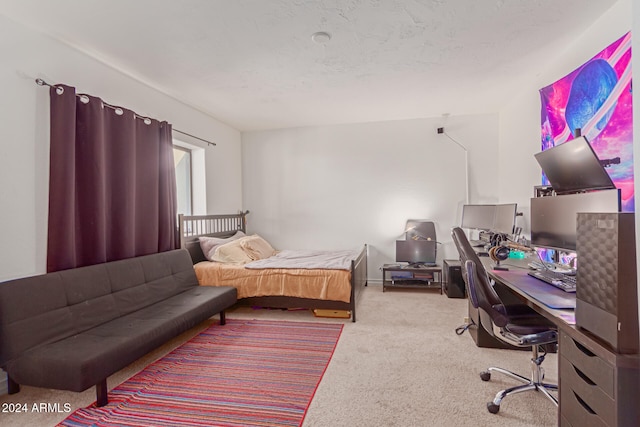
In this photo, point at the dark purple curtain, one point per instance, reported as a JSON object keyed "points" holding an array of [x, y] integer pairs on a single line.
{"points": [[112, 191]]}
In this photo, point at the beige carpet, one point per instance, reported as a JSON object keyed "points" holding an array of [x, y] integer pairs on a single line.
{"points": [[400, 364]]}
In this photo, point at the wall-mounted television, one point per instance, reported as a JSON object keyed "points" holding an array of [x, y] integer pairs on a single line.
{"points": [[573, 167]]}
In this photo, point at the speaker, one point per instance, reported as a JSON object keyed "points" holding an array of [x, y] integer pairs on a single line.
{"points": [[452, 277], [606, 287]]}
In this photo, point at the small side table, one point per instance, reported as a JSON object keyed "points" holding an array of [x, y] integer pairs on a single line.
{"points": [[414, 277]]}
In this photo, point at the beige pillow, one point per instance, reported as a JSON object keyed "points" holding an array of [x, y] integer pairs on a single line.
{"points": [[231, 252], [256, 247], [209, 244]]}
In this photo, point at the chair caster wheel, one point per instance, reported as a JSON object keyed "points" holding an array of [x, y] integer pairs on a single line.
{"points": [[493, 408], [485, 375]]}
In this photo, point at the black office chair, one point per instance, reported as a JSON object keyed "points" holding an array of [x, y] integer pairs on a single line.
{"points": [[515, 324]]}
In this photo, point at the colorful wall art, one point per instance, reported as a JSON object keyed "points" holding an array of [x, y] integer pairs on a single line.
{"points": [[596, 98]]}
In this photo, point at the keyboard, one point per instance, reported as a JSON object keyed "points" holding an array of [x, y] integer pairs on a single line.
{"points": [[559, 280]]}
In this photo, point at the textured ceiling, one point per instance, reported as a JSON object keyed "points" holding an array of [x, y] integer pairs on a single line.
{"points": [[252, 63]]}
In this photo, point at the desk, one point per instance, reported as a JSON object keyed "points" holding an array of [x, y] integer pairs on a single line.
{"points": [[598, 387], [551, 302]]}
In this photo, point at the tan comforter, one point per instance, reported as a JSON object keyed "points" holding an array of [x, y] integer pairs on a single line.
{"points": [[323, 284], [331, 285]]}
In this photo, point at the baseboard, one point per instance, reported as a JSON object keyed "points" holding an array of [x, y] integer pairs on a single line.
{"points": [[3, 383]]}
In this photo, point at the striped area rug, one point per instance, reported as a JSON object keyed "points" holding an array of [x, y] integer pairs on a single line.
{"points": [[246, 373]]}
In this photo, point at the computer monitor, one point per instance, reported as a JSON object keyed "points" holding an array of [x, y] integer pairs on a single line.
{"points": [[573, 166], [505, 218], [416, 251], [497, 218], [478, 217], [554, 218]]}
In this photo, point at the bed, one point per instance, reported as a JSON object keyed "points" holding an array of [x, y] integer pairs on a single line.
{"points": [[341, 287]]}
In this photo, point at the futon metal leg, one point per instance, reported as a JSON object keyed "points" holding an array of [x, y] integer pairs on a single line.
{"points": [[12, 386], [223, 318], [102, 397]]}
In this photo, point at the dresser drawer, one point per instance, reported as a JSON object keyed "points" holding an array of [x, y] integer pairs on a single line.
{"points": [[594, 368], [586, 400], [575, 413]]}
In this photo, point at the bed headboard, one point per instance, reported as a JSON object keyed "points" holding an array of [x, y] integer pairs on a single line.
{"points": [[192, 227]]}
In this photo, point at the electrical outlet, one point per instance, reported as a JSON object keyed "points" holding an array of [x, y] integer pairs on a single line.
{"points": [[467, 320], [440, 130]]}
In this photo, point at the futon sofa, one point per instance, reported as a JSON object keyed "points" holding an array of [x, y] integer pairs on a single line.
{"points": [[71, 329]]}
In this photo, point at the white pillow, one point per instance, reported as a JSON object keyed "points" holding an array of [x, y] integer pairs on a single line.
{"points": [[231, 252], [209, 244], [256, 247]]}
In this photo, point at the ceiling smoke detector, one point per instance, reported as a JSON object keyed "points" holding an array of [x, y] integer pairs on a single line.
{"points": [[321, 37]]}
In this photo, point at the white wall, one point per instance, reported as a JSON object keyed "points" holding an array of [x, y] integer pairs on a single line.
{"points": [[24, 137], [520, 120], [338, 187]]}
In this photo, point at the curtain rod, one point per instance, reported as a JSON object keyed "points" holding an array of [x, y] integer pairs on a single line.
{"points": [[41, 82]]}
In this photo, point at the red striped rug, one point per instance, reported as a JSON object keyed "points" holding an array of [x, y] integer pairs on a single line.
{"points": [[246, 373]]}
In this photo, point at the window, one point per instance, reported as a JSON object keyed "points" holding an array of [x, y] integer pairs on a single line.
{"points": [[189, 160], [182, 161]]}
